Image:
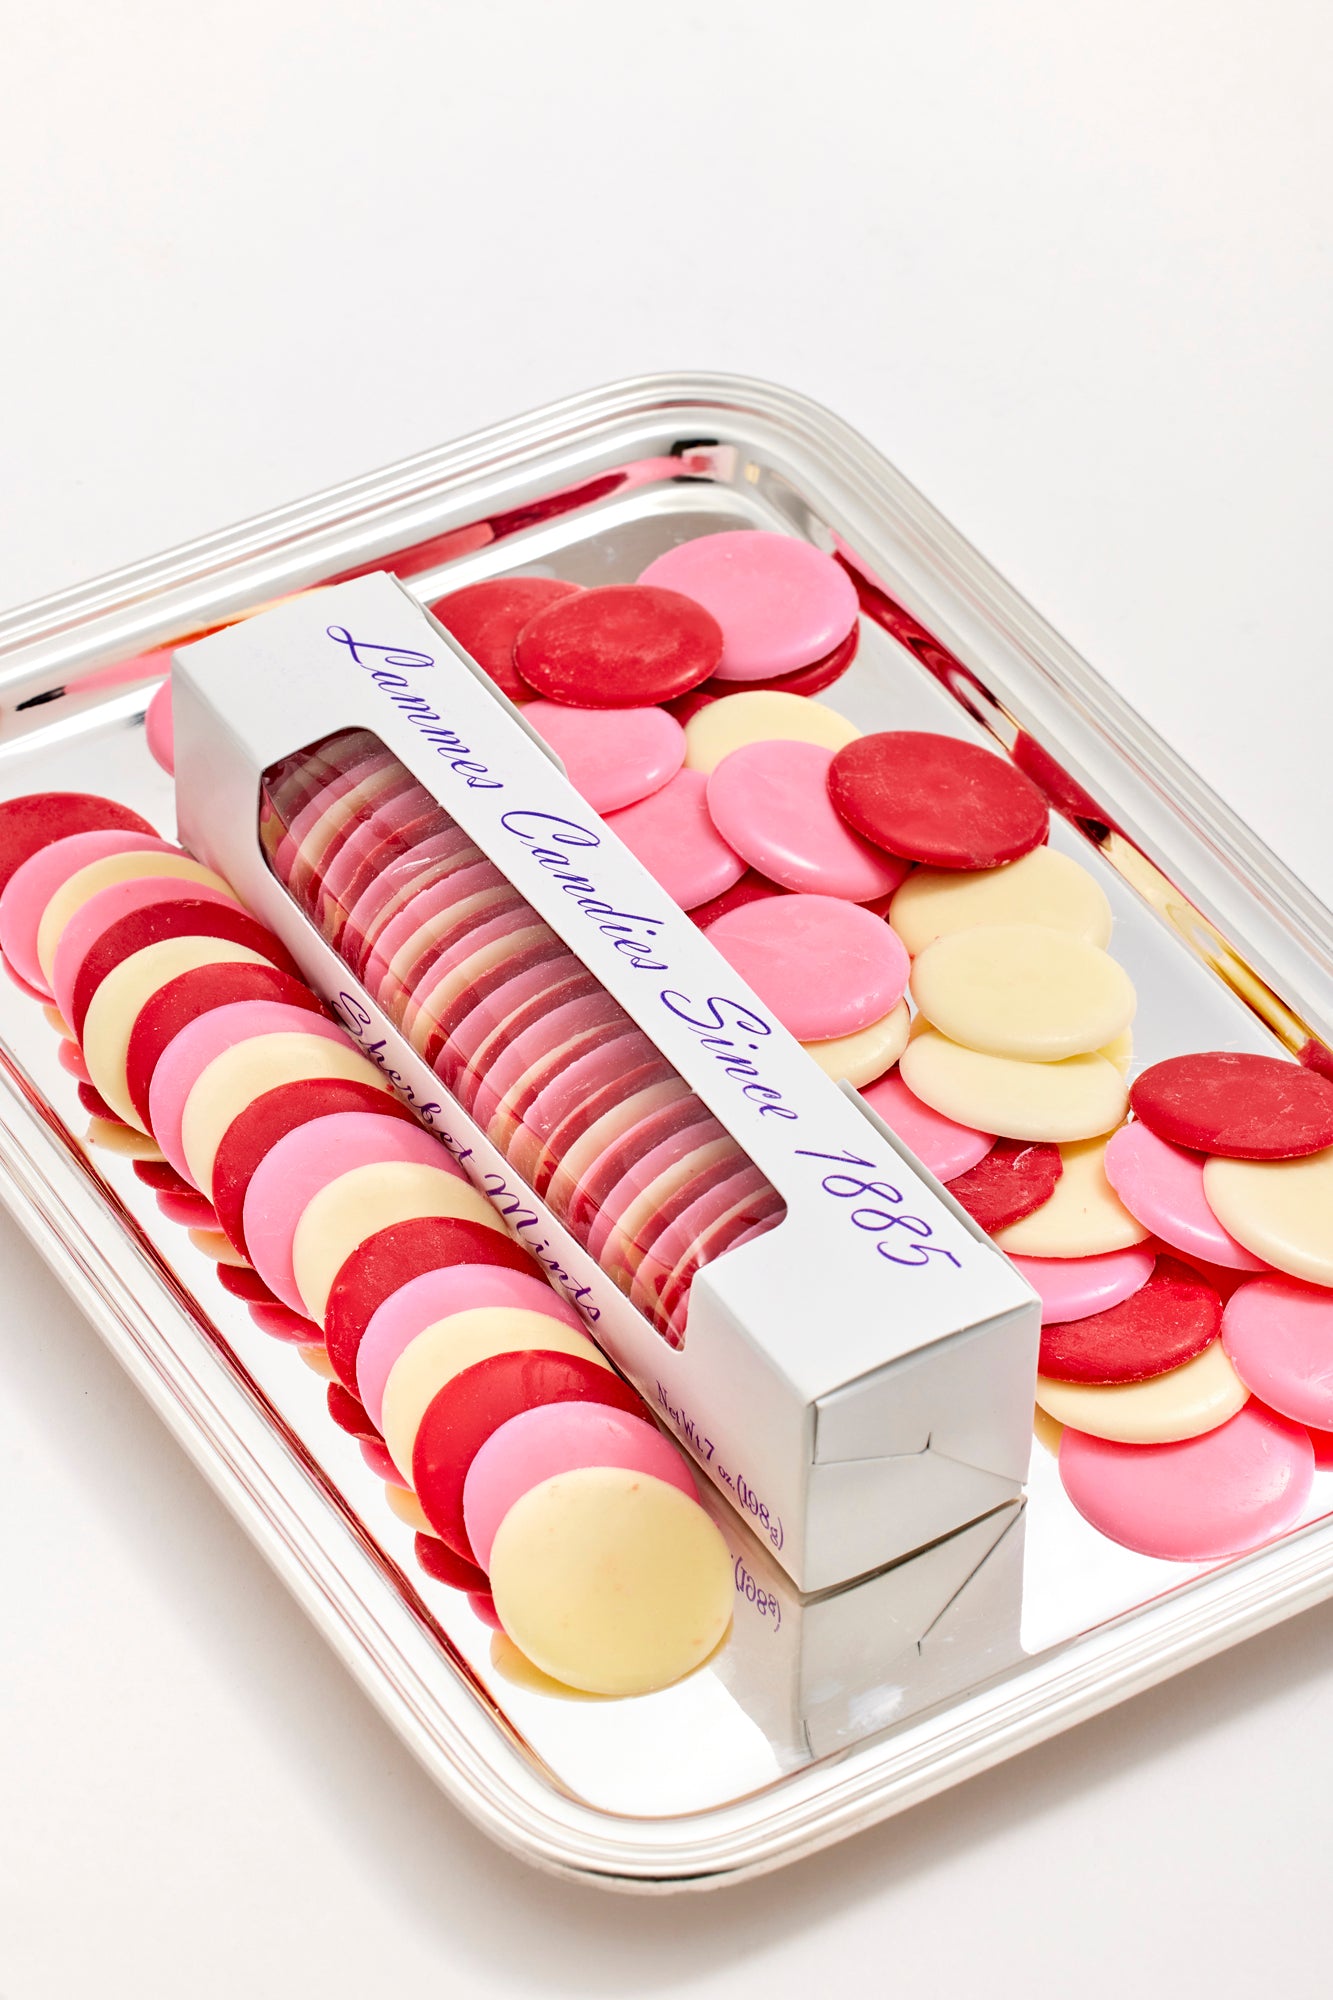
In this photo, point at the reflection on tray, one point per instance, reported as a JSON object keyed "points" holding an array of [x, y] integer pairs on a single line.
{"points": [[821, 1673]]}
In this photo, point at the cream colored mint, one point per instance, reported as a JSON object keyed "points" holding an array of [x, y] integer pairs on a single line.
{"points": [[126, 990], [448, 1346], [236, 1078], [71, 896], [1281, 1210], [611, 1581], [1085, 1217], [1081, 1097], [863, 1057], [1044, 887], [1183, 1403], [361, 1203], [762, 715], [1023, 990]]}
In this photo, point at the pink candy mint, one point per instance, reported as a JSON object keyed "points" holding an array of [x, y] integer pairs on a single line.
{"points": [[304, 1162], [541, 1443], [824, 967], [612, 756], [1074, 1288], [1162, 1187], [947, 1148], [1278, 1334], [1199, 1500], [782, 604], [770, 802], [36, 880], [159, 730], [437, 1295], [674, 837]]}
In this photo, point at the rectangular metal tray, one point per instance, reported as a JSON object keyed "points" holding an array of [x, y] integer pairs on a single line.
{"points": [[726, 1775]]}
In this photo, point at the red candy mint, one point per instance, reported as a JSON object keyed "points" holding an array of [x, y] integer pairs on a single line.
{"points": [[183, 999], [1244, 1107], [161, 1176], [626, 645], [392, 1258], [93, 1102], [188, 1210], [1169, 1320], [349, 1414], [439, 1561], [486, 618], [279, 1322], [476, 1402], [254, 1132], [937, 799], [1013, 1180], [156, 921], [243, 1283], [686, 705], [33, 822]]}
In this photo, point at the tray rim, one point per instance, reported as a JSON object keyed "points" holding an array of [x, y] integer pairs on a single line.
{"points": [[56, 1198]]}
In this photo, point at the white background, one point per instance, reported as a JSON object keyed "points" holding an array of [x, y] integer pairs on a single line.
{"points": [[1070, 267]]}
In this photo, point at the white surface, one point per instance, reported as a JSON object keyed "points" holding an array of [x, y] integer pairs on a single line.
{"points": [[1070, 268]]}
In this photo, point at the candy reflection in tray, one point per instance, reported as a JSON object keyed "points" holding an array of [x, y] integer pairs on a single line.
{"points": [[570, 1090]]}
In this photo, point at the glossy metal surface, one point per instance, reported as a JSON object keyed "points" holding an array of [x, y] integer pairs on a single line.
{"points": [[818, 1717]]}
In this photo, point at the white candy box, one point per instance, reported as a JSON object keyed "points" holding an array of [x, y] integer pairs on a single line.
{"points": [[859, 1380]]}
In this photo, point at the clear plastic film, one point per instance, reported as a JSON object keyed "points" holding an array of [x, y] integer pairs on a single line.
{"points": [[570, 1090]]}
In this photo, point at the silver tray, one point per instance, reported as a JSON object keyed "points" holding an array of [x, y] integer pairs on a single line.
{"points": [[820, 1717]]}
